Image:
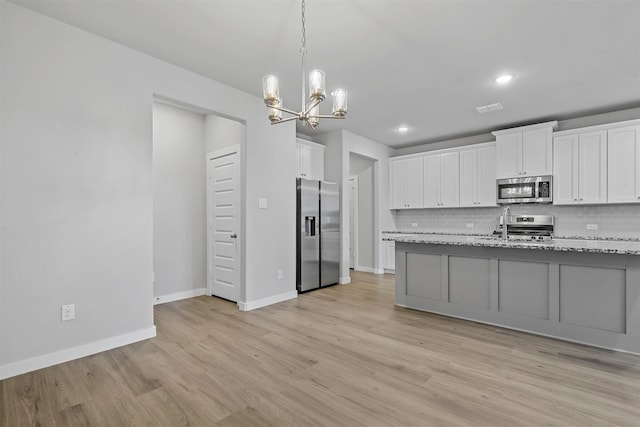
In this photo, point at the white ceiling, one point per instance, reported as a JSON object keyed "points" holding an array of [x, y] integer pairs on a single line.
{"points": [[425, 64]]}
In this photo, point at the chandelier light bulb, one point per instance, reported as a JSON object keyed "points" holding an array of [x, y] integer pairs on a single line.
{"points": [[339, 102], [316, 84], [270, 89]]}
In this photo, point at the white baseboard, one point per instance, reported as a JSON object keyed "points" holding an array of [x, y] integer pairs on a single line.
{"points": [[378, 271], [39, 362], [364, 269], [161, 299], [345, 280], [252, 305]]}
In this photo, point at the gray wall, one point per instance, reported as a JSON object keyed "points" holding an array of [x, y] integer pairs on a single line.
{"points": [[179, 200], [362, 168], [578, 122], [77, 199], [366, 231]]}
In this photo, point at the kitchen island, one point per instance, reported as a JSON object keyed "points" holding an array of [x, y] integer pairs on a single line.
{"points": [[580, 290]]}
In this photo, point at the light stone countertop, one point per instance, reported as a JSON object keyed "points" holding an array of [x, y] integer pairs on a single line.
{"points": [[609, 246]]}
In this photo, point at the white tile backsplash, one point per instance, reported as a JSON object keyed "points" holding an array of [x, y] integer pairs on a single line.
{"points": [[617, 221]]}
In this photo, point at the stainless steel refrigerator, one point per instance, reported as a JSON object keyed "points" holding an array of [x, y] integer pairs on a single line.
{"points": [[318, 234]]}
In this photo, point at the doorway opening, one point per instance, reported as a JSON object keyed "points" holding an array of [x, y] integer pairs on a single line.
{"points": [[183, 136], [362, 235]]}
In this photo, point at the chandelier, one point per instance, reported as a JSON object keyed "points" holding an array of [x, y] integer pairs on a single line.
{"points": [[310, 111]]}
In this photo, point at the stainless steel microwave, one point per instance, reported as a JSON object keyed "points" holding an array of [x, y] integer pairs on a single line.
{"points": [[532, 189]]}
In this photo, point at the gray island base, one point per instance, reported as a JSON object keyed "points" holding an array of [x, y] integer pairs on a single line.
{"points": [[584, 297]]}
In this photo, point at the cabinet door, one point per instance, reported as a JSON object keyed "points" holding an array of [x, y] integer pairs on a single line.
{"points": [[565, 170], [432, 181], [450, 180], [509, 155], [537, 152], [592, 166], [469, 178], [399, 180], [316, 163], [304, 160], [623, 165], [486, 177], [415, 182], [389, 256]]}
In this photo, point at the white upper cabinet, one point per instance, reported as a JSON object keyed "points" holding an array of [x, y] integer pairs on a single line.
{"points": [[478, 177], [597, 164], [623, 158], [442, 180], [406, 183], [565, 173], [592, 167], [580, 171], [310, 160], [525, 151]]}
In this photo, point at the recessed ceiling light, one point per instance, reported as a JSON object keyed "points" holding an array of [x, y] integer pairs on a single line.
{"points": [[504, 79], [402, 129]]}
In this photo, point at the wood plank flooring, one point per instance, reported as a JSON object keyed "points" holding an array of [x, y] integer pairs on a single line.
{"points": [[342, 356]]}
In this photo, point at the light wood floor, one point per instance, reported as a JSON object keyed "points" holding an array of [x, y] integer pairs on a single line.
{"points": [[339, 356]]}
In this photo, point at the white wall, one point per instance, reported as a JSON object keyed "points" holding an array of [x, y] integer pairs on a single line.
{"points": [[77, 197], [339, 146], [179, 201], [221, 132]]}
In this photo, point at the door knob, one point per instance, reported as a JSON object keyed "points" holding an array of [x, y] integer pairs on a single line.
{"points": [[233, 235]]}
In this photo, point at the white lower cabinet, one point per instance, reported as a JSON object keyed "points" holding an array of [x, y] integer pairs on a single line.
{"points": [[389, 255]]}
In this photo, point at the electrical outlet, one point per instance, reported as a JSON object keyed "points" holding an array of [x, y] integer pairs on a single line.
{"points": [[592, 226], [469, 225], [414, 224], [68, 312], [280, 274], [262, 203]]}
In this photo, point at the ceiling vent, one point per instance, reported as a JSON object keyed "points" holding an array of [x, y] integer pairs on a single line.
{"points": [[491, 107]]}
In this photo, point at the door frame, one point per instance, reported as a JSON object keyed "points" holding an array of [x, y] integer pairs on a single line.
{"points": [[236, 148], [353, 189]]}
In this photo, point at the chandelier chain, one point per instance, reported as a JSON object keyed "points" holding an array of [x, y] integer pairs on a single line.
{"points": [[303, 48]]}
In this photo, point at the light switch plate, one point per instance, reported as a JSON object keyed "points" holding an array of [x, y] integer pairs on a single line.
{"points": [[469, 225], [262, 203], [68, 312], [414, 224]]}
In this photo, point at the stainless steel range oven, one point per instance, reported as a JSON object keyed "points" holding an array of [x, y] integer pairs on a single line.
{"points": [[532, 189]]}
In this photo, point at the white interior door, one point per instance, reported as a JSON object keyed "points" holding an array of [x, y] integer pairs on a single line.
{"points": [[223, 223]]}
